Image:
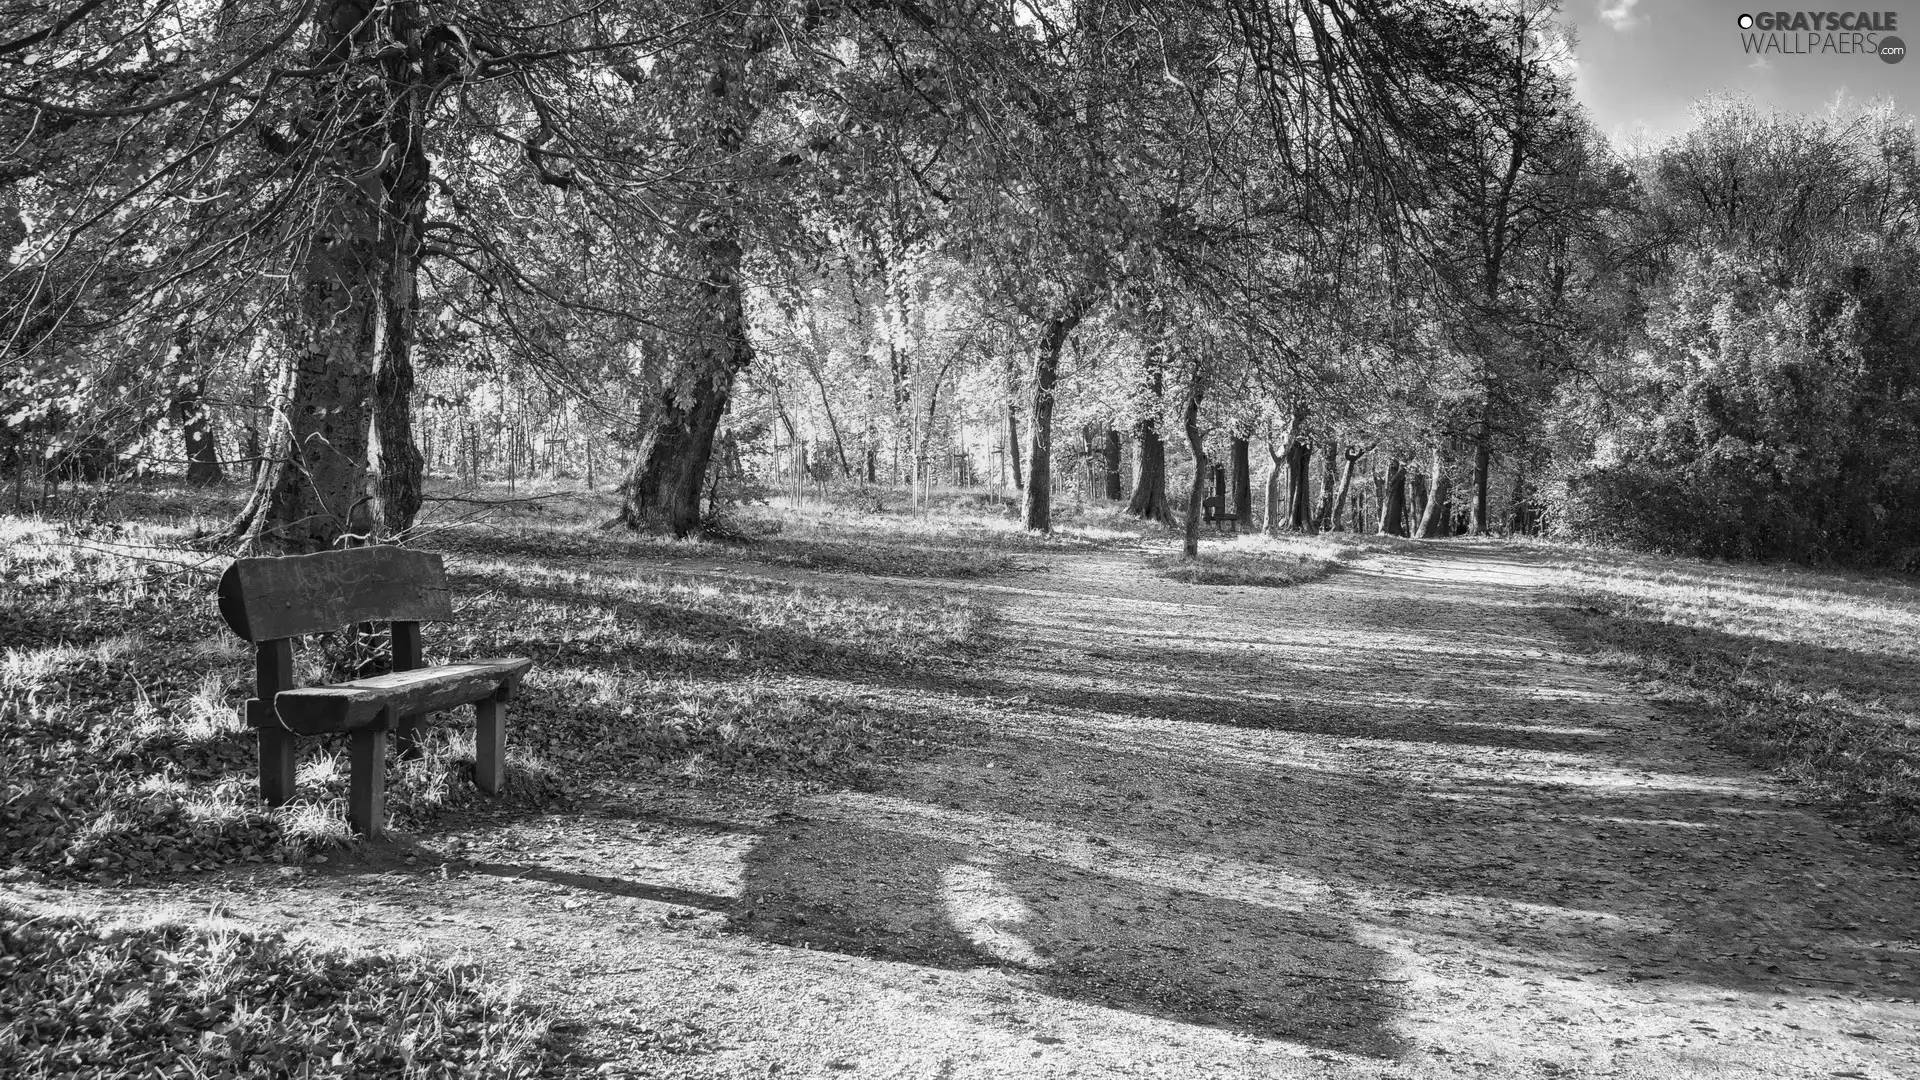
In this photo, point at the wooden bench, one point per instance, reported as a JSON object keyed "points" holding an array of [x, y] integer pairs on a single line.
{"points": [[269, 602]]}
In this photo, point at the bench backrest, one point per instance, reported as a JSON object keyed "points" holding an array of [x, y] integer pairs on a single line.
{"points": [[269, 599]]}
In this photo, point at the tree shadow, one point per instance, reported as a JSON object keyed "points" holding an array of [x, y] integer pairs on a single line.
{"points": [[1121, 940], [1550, 826], [1841, 719]]}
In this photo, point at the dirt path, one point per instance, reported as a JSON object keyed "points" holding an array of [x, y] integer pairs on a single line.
{"points": [[1381, 825]]}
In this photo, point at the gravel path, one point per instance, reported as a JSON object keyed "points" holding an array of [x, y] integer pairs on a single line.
{"points": [[1379, 825]]}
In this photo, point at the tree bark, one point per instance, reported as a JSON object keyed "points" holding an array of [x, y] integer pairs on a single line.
{"points": [[1299, 486], [1149, 502], [669, 473], [1353, 457], [393, 457], [1013, 446], [1278, 507], [1111, 463], [1482, 459], [1519, 523], [395, 461], [670, 470], [1437, 518], [1197, 490], [1393, 501], [1241, 467], [1329, 478], [310, 491], [1275, 507], [1416, 501], [1046, 372]]}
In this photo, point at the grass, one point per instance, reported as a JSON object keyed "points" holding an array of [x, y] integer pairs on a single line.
{"points": [[957, 536], [962, 538], [1269, 561], [122, 757], [1813, 674], [82, 998]]}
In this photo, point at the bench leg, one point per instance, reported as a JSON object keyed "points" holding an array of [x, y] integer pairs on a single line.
{"points": [[489, 745], [406, 737], [367, 782], [276, 766]]}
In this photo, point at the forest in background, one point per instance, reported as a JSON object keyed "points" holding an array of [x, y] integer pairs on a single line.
{"points": [[1365, 258]]}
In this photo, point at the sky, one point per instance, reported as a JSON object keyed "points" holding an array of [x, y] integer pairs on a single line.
{"points": [[1642, 63]]}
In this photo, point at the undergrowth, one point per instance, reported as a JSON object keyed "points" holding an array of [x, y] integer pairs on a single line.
{"points": [[86, 999], [1811, 674]]}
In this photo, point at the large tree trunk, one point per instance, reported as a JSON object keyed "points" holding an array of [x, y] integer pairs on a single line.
{"points": [[664, 488], [394, 458], [1149, 502], [396, 463], [670, 470], [312, 485], [1111, 463], [1416, 500], [1046, 372], [1299, 487], [1329, 477], [1482, 459], [1437, 519], [1197, 490], [1393, 501], [1241, 466]]}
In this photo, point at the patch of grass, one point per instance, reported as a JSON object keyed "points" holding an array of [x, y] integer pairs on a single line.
{"points": [[122, 755], [698, 677], [79, 998], [960, 539], [875, 534], [1813, 674], [1271, 561]]}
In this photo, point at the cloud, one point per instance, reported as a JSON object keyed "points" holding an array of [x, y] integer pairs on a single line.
{"points": [[1760, 64], [1620, 15]]}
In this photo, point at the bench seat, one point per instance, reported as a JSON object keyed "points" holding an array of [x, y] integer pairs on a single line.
{"points": [[384, 699]]}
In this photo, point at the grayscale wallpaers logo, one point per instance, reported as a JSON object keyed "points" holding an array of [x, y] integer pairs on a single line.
{"points": [[1846, 33]]}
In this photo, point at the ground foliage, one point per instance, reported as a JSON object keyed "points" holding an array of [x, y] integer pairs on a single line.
{"points": [[124, 757], [953, 537], [1265, 561], [1809, 674], [84, 998]]}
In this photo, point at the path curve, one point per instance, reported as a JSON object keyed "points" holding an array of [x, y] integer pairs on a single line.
{"points": [[1383, 822], [1381, 825]]}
